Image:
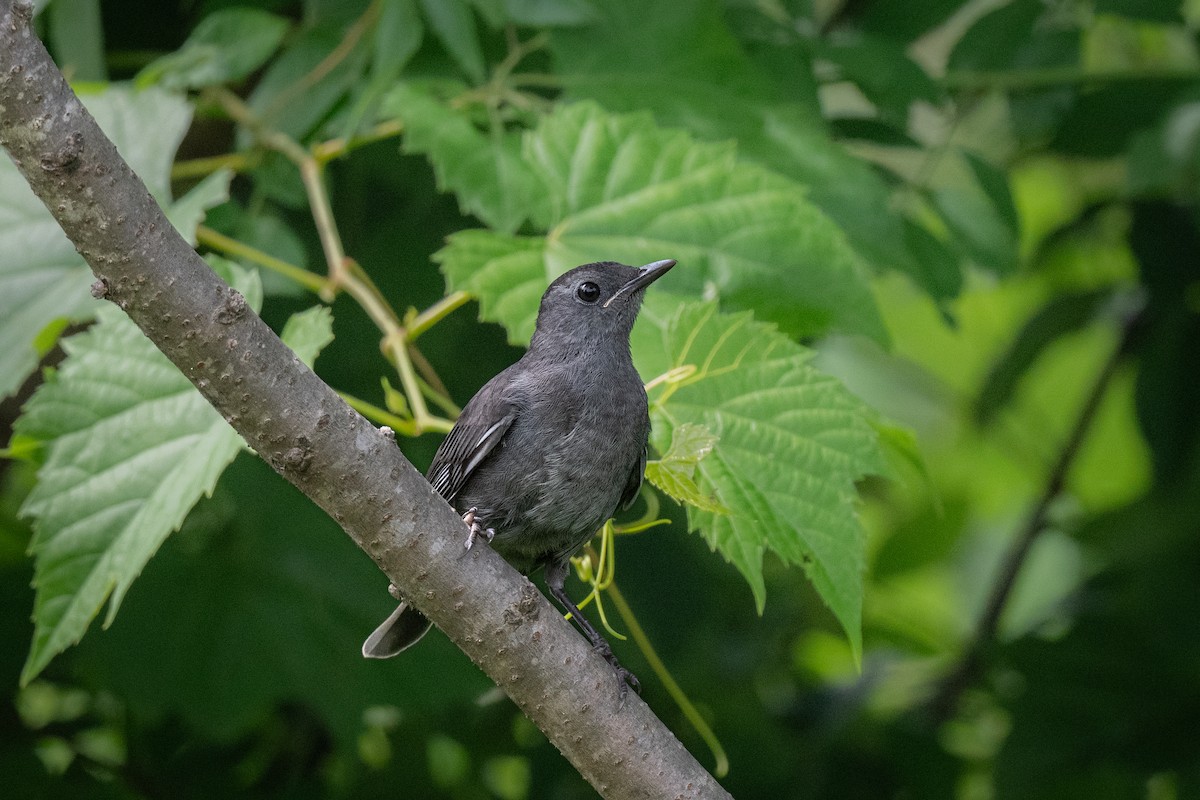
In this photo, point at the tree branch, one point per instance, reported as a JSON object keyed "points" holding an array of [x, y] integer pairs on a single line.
{"points": [[312, 438], [966, 670]]}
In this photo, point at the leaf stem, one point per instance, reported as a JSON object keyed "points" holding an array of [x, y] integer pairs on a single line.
{"points": [[379, 415], [416, 324], [336, 56], [229, 246], [693, 715], [202, 167], [344, 273], [327, 151], [323, 152]]}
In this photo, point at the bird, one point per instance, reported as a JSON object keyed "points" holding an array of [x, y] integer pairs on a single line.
{"points": [[552, 447]]}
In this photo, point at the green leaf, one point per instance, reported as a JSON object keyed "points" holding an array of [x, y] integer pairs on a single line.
{"points": [[75, 33], [308, 332], [906, 21], [681, 61], [42, 279], [673, 473], [977, 227], [226, 46], [621, 188], [998, 39], [882, 70], [131, 446], [454, 25], [296, 93], [791, 443], [398, 36], [982, 216], [549, 13], [994, 184], [483, 168], [189, 211], [508, 274], [259, 601], [934, 268]]}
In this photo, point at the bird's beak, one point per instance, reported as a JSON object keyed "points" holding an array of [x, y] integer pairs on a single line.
{"points": [[646, 276]]}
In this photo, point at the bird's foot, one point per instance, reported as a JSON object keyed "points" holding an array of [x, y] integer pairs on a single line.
{"points": [[475, 530], [625, 678]]}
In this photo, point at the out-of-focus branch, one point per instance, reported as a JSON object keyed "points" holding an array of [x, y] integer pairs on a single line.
{"points": [[967, 669]]}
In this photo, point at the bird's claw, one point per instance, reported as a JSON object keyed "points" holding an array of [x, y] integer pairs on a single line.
{"points": [[475, 530], [625, 679]]}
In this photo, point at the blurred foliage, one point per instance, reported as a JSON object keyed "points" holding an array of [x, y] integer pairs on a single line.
{"points": [[979, 218]]}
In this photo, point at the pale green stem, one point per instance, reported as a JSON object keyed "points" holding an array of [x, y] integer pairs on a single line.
{"points": [[417, 324], [232, 247], [201, 167], [380, 415], [721, 768]]}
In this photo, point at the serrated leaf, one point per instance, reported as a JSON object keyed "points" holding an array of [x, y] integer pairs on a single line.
{"points": [[226, 46], [689, 444], [673, 472], [621, 188], [188, 212], [484, 169], [682, 62], [213, 634], [681, 487], [791, 443], [308, 332], [42, 279], [507, 274], [131, 446]]}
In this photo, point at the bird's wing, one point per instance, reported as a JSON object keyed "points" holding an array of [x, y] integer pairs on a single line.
{"points": [[633, 483], [477, 432]]}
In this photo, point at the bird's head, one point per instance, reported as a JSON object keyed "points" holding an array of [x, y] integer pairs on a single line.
{"points": [[594, 303]]}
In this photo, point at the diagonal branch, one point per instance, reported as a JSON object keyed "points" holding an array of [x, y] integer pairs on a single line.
{"points": [[967, 669], [312, 438]]}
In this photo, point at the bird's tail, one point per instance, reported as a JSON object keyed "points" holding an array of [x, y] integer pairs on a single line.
{"points": [[401, 630]]}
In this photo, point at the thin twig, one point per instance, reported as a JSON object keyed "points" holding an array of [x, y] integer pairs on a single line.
{"points": [[336, 56], [344, 273], [327, 151], [416, 324], [966, 671], [202, 167], [219, 241]]}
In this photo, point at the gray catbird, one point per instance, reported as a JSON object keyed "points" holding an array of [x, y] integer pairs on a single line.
{"points": [[551, 447]]}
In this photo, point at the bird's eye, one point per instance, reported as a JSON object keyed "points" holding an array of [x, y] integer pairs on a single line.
{"points": [[588, 292]]}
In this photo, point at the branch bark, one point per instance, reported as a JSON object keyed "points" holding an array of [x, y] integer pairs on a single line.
{"points": [[301, 428]]}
